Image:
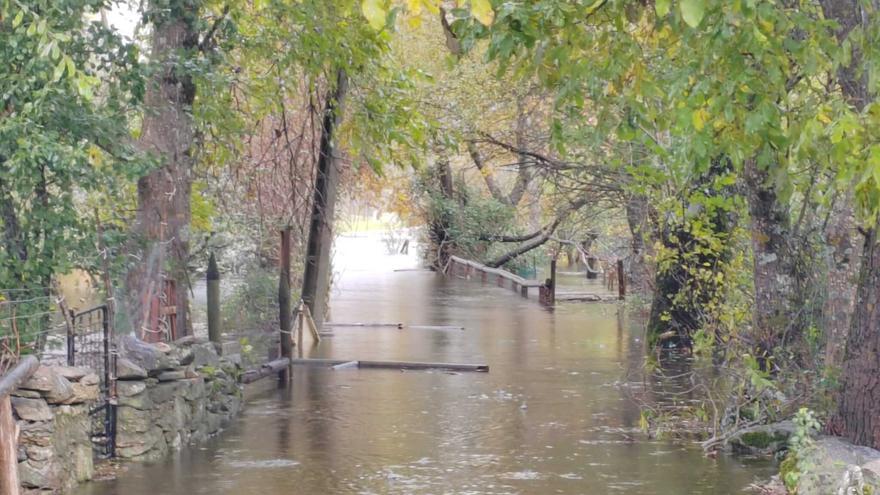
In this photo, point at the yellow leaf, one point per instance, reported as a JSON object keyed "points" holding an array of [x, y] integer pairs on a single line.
{"points": [[414, 6], [374, 11], [699, 118], [482, 11]]}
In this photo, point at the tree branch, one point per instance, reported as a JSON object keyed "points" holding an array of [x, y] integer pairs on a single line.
{"points": [[538, 240]]}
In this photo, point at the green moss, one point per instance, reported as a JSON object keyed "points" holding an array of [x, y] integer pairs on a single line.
{"points": [[761, 439]]}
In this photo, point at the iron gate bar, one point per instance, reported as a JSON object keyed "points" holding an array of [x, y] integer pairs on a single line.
{"points": [[80, 332]]}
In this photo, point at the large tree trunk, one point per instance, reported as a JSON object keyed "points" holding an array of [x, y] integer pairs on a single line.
{"points": [[316, 279], [163, 217], [841, 280], [856, 416]]}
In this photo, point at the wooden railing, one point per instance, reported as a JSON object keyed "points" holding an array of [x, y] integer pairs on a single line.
{"points": [[9, 484], [467, 269]]}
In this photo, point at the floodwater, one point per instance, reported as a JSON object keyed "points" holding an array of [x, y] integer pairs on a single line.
{"points": [[552, 416]]}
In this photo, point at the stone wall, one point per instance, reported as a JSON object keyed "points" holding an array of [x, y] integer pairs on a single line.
{"points": [[169, 396], [52, 414]]}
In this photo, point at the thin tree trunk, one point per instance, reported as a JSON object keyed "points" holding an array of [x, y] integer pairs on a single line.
{"points": [[842, 277], [639, 273], [316, 280], [441, 220], [775, 279], [163, 217]]}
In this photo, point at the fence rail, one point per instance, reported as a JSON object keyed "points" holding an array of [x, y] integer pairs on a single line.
{"points": [[467, 268]]}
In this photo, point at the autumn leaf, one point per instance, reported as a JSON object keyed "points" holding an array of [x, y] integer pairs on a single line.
{"points": [[482, 11], [374, 11]]}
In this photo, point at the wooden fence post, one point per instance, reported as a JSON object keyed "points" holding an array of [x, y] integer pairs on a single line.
{"points": [[553, 281], [213, 300], [621, 281], [284, 306], [9, 482]]}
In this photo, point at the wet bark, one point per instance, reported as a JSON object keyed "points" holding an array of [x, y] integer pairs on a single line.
{"points": [[162, 224], [316, 279]]}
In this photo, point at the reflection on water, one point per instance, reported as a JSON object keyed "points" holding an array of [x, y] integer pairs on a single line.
{"points": [[550, 417]]}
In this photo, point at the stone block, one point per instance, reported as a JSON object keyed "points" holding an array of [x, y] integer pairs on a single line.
{"points": [[38, 433], [52, 386], [129, 370], [71, 373], [27, 394], [165, 391], [90, 379], [41, 475], [129, 419], [32, 409], [205, 355], [83, 393], [168, 376], [130, 388]]}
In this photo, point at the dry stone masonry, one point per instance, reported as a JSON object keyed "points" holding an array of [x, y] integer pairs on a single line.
{"points": [[167, 396], [52, 414]]}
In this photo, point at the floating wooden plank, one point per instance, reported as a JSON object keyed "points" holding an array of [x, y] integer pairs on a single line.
{"points": [[585, 297], [483, 368], [395, 325], [434, 327], [400, 365]]}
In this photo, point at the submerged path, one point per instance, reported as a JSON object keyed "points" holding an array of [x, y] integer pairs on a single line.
{"points": [[552, 416]]}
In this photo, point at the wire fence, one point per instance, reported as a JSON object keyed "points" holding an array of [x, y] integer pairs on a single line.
{"points": [[30, 323]]}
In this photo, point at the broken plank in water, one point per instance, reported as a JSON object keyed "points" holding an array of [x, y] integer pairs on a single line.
{"points": [[424, 366], [402, 365], [395, 325], [434, 327]]}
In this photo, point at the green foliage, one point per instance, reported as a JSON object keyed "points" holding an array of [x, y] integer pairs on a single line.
{"points": [[466, 217], [795, 464], [64, 135], [253, 304]]}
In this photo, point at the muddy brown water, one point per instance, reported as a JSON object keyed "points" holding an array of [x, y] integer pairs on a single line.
{"points": [[552, 416]]}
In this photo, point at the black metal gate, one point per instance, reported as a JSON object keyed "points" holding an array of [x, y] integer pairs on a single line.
{"points": [[89, 345]]}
